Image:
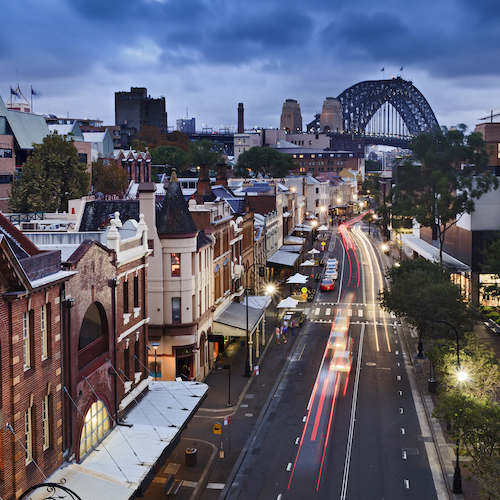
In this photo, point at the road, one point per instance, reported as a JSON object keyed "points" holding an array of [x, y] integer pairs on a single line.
{"points": [[343, 435]]}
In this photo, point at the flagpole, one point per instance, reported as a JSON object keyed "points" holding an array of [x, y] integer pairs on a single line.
{"points": [[32, 98]]}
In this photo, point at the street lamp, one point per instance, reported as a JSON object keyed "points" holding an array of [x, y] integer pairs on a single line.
{"points": [[155, 346], [462, 376], [247, 363]]}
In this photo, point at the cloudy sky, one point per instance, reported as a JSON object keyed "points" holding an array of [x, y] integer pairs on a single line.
{"points": [[206, 56]]}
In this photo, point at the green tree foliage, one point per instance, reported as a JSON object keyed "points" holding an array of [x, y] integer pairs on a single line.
{"points": [[205, 152], [370, 186], [51, 176], [442, 186], [171, 156], [420, 292], [476, 426], [108, 177], [265, 161]]}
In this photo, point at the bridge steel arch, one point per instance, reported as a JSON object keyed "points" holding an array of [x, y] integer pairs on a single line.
{"points": [[360, 102]]}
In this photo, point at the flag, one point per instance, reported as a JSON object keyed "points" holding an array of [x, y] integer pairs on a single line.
{"points": [[401, 69], [13, 92], [34, 94], [382, 69]]}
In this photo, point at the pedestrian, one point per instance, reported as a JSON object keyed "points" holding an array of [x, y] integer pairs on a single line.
{"points": [[285, 324], [284, 331], [277, 335], [293, 327]]}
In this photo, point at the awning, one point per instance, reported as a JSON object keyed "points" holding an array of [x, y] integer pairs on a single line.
{"points": [[293, 240], [122, 465], [282, 258], [292, 248], [430, 252], [232, 321], [303, 227]]}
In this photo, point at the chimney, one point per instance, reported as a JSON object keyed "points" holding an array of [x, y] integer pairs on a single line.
{"points": [[241, 121], [221, 174], [203, 189]]}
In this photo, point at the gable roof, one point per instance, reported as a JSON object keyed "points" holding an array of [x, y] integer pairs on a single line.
{"points": [[97, 212], [27, 128], [174, 217]]}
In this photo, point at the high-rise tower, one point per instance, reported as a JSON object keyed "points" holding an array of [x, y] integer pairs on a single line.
{"points": [[291, 118], [331, 116]]}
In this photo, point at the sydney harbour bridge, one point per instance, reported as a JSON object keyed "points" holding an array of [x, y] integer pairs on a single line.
{"points": [[389, 112]]}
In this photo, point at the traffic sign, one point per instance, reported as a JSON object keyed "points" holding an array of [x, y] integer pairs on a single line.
{"points": [[303, 289], [256, 370], [227, 420], [304, 295], [323, 243], [217, 428]]}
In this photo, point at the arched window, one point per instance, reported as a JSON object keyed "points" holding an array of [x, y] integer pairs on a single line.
{"points": [[91, 328], [97, 424]]}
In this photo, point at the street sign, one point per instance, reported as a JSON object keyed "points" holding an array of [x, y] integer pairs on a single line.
{"points": [[323, 243], [303, 289], [217, 428], [227, 420], [304, 295], [155, 344], [256, 370]]}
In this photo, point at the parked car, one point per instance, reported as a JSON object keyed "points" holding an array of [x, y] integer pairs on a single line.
{"points": [[327, 284]]}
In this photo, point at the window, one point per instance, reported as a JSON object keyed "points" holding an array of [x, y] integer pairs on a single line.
{"points": [[28, 434], [175, 264], [136, 291], [176, 309], [126, 363], [43, 331], [498, 146], [26, 341], [46, 422], [125, 297], [95, 428]]}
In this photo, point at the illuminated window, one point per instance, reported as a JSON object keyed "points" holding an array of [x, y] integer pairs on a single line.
{"points": [[498, 146], [46, 424], [43, 332], [28, 434], [176, 264], [97, 424]]}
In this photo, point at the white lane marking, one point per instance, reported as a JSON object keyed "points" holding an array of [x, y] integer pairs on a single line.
{"points": [[399, 364], [400, 393], [404, 455], [396, 352], [398, 377], [316, 311], [213, 486], [402, 430], [297, 441], [347, 462], [407, 484], [349, 312], [401, 410], [304, 419], [360, 313], [278, 497], [328, 312], [289, 466]]}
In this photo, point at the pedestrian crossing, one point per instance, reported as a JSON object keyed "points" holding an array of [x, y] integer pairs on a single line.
{"points": [[324, 312]]}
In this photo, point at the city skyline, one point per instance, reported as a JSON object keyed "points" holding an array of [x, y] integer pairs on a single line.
{"points": [[206, 57]]}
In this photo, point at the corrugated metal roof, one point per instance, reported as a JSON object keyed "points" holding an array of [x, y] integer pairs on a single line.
{"points": [[27, 128]]}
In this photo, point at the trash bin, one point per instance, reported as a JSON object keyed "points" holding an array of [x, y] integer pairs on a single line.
{"points": [[191, 457], [432, 384]]}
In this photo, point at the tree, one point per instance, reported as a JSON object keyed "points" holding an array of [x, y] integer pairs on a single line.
{"points": [[476, 426], [442, 187], [265, 161], [108, 177], [420, 292], [172, 156], [205, 152], [51, 176]]}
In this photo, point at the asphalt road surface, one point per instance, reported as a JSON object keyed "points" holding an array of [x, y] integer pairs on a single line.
{"points": [[336, 434]]}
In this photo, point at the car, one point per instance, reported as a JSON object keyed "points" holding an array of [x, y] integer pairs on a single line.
{"points": [[327, 285], [337, 341], [331, 274], [332, 262], [342, 358]]}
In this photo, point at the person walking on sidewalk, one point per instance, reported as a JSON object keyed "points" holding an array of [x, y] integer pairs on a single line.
{"points": [[284, 331], [292, 325], [277, 335]]}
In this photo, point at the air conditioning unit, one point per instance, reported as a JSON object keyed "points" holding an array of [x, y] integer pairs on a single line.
{"points": [[30, 226]]}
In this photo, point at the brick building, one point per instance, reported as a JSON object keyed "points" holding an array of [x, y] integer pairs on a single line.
{"points": [[32, 290]]}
